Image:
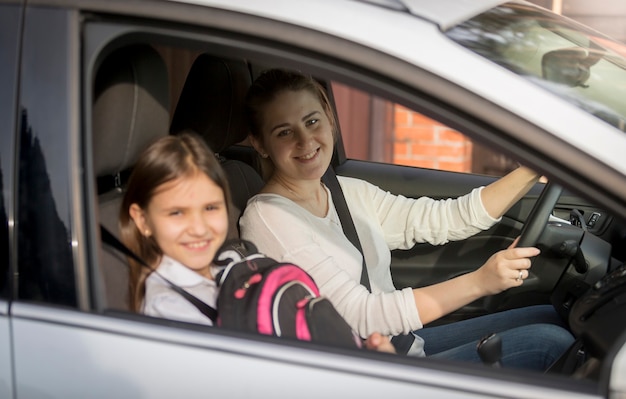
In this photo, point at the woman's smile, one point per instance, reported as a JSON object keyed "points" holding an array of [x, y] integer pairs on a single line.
{"points": [[309, 156]]}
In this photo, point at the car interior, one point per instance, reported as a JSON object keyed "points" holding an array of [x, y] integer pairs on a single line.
{"points": [[131, 109], [138, 97], [211, 104]]}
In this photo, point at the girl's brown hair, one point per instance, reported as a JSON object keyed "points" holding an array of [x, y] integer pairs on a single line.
{"points": [[266, 87], [165, 160]]}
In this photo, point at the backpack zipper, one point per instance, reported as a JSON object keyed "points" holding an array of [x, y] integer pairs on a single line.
{"points": [[276, 303]]}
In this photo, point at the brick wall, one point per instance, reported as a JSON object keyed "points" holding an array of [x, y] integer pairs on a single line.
{"points": [[422, 142]]}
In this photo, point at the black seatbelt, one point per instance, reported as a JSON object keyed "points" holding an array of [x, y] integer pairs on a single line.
{"points": [[110, 239], [330, 180], [402, 343]]}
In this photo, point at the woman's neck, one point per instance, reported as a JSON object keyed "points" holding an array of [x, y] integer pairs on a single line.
{"points": [[310, 195]]}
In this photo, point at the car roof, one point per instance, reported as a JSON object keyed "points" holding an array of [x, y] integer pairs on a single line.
{"points": [[447, 13], [444, 13]]}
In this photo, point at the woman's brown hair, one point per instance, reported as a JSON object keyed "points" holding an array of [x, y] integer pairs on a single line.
{"points": [[165, 160]]}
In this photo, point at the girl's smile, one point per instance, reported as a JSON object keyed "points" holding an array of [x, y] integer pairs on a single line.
{"points": [[188, 219]]}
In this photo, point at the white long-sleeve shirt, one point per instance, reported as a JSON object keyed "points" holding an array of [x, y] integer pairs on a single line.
{"points": [[285, 231]]}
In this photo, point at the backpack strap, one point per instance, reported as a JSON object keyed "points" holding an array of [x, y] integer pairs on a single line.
{"points": [[402, 343], [110, 239]]}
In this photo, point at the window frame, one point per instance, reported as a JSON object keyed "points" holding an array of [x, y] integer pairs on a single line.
{"points": [[102, 34]]}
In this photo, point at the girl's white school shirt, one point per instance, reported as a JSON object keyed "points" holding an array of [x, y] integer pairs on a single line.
{"points": [[162, 301]]}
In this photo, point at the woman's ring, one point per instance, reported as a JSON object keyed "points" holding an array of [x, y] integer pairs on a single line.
{"points": [[521, 274]]}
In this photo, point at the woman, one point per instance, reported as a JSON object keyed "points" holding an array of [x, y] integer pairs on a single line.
{"points": [[293, 218]]}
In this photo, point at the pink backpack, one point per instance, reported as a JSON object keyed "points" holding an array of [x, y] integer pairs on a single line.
{"points": [[259, 294]]}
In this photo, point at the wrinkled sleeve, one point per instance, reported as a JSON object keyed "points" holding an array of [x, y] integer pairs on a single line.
{"points": [[284, 234], [407, 221]]}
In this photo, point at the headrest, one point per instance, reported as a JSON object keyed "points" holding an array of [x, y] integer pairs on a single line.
{"points": [[131, 107], [211, 102]]}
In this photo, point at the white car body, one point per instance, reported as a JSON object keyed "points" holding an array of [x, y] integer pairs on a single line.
{"points": [[56, 352]]}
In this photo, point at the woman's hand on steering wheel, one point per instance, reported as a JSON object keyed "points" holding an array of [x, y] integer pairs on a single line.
{"points": [[506, 269]]}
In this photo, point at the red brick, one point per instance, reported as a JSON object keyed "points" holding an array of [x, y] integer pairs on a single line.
{"points": [[400, 149], [418, 133], [447, 134], [457, 151], [402, 116]]}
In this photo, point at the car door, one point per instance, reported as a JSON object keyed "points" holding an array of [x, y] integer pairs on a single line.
{"points": [[64, 344]]}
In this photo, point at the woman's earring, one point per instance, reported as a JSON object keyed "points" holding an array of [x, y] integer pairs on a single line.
{"points": [[264, 155], [147, 233]]}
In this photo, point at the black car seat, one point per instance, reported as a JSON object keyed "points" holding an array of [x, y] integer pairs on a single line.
{"points": [[211, 104], [131, 109]]}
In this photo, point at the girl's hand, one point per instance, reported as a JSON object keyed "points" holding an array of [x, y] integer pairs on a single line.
{"points": [[506, 269], [379, 343]]}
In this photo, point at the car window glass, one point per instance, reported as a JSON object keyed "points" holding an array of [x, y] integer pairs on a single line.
{"points": [[401, 136], [574, 63], [45, 258], [9, 25]]}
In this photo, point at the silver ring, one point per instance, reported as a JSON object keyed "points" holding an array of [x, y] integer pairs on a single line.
{"points": [[521, 274]]}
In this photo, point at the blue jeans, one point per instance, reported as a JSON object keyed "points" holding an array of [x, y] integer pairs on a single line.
{"points": [[532, 337]]}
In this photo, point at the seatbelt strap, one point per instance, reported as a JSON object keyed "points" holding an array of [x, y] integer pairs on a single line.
{"points": [[108, 238], [402, 343], [331, 181]]}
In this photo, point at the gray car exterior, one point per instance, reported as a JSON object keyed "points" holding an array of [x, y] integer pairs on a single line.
{"points": [[64, 343]]}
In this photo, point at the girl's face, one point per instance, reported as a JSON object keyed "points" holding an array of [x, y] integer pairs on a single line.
{"points": [[297, 135], [188, 219]]}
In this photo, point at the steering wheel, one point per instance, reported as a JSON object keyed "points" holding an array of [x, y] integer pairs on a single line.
{"points": [[531, 232], [539, 215]]}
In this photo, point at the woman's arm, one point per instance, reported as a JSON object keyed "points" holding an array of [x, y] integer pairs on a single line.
{"points": [[500, 272], [499, 196], [402, 222]]}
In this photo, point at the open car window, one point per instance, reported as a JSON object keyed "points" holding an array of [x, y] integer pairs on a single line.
{"points": [[382, 131]]}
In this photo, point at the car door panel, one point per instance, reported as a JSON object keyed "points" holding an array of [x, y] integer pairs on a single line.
{"points": [[6, 373], [64, 353]]}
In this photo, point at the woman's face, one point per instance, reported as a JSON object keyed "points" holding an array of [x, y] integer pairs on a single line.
{"points": [[188, 219], [297, 135]]}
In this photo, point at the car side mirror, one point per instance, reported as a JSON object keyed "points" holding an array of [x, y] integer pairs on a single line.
{"points": [[569, 66]]}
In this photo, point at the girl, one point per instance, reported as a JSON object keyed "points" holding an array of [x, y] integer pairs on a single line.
{"points": [[175, 216], [293, 218]]}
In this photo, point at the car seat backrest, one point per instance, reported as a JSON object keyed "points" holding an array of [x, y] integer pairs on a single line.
{"points": [[130, 111], [211, 104]]}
